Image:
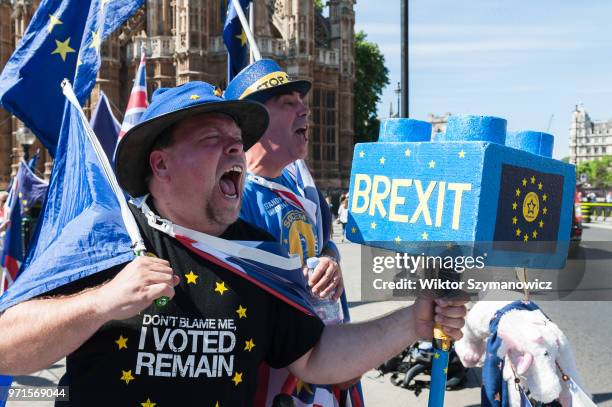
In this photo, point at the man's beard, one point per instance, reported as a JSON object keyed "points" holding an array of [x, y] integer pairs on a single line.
{"points": [[221, 216]]}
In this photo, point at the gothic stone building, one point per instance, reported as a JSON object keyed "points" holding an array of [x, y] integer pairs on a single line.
{"points": [[183, 40], [589, 139]]}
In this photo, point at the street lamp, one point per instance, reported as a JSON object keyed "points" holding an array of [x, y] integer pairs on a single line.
{"points": [[26, 138], [398, 92]]}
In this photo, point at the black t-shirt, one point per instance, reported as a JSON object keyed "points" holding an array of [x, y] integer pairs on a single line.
{"points": [[202, 349]]}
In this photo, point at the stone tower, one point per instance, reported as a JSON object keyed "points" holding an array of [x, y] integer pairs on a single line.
{"points": [[6, 128]]}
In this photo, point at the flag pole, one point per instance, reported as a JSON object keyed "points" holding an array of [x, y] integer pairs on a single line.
{"points": [[245, 26], [128, 218], [252, 26], [3, 280]]}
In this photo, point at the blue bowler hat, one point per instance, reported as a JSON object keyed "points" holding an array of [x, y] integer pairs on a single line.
{"points": [[169, 106], [261, 80]]}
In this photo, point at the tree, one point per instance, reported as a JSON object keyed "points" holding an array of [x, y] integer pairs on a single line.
{"points": [[371, 76], [598, 172], [319, 5]]}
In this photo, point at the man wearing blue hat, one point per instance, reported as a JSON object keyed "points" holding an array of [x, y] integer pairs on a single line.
{"points": [[276, 196], [205, 346]]}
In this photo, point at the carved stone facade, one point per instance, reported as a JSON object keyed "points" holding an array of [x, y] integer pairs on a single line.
{"points": [[589, 139], [183, 40]]}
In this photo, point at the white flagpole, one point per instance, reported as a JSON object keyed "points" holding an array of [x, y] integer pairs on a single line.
{"points": [[128, 217], [252, 26], [2, 280], [245, 26], [138, 245]]}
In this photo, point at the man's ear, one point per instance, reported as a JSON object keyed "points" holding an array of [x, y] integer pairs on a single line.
{"points": [[158, 161]]}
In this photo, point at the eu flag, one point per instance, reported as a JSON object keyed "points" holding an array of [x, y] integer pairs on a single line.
{"points": [[529, 209], [62, 41], [235, 40], [80, 230], [27, 190]]}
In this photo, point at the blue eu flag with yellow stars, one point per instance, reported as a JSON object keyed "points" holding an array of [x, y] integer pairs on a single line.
{"points": [[62, 41], [235, 40], [529, 209]]}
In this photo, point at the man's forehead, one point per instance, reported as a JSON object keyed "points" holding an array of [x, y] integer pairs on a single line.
{"points": [[212, 118], [287, 94]]}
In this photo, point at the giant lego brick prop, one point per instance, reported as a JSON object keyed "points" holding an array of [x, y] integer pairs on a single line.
{"points": [[473, 183]]}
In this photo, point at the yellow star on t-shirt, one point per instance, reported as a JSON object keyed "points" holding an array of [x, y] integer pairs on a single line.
{"points": [[407, 152], [241, 311], [436, 355], [432, 164], [361, 154], [242, 37], [63, 48], [533, 179], [194, 97], [461, 154], [373, 225], [301, 385], [382, 160], [220, 287], [398, 239], [424, 236], [237, 378], [53, 21], [192, 278], [121, 342], [127, 376], [249, 345], [148, 403]]}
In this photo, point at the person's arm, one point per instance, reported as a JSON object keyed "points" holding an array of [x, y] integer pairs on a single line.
{"points": [[347, 351], [38, 332]]}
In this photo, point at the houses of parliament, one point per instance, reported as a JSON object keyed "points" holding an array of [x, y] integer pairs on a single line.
{"points": [[183, 42]]}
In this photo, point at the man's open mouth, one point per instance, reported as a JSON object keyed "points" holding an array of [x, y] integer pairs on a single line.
{"points": [[303, 132], [230, 182]]}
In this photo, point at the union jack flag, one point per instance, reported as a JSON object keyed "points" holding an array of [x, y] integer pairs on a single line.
{"points": [[138, 98]]}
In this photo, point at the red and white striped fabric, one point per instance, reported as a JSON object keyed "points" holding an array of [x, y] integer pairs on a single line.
{"points": [[138, 98]]}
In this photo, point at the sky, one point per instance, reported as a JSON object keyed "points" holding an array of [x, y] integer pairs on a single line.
{"points": [[523, 60]]}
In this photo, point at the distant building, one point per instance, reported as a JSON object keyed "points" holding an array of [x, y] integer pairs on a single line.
{"points": [[589, 139], [183, 40], [438, 123]]}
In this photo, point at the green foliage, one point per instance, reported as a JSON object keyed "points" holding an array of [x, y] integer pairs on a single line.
{"points": [[371, 76], [319, 5], [565, 160], [599, 172]]}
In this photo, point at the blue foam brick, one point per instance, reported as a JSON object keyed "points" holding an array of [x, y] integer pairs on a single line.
{"points": [[464, 187]]}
